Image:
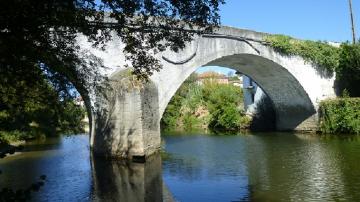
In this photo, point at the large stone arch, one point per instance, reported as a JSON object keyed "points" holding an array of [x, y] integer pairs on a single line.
{"points": [[295, 87], [291, 102]]}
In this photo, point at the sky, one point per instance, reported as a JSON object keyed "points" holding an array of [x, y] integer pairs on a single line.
{"points": [[305, 19], [325, 20]]}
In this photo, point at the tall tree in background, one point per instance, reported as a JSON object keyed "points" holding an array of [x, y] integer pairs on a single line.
{"points": [[352, 22], [41, 35], [38, 42]]}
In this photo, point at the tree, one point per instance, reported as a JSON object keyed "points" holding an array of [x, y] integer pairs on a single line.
{"points": [[348, 71], [39, 51], [222, 102], [39, 37]]}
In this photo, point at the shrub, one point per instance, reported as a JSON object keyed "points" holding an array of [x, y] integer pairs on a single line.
{"points": [[210, 105], [223, 101], [190, 122], [7, 137], [341, 115], [348, 72]]}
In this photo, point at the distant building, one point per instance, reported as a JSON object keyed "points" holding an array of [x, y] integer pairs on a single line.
{"points": [[212, 77], [253, 94]]}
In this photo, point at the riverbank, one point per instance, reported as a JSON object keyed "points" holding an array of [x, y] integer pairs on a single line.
{"points": [[206, 105], [339, 116], [10, 149]]}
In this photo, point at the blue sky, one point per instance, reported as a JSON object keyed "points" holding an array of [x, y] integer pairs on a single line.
{"points": [[325, 20], [306, 19], [221, 70]]}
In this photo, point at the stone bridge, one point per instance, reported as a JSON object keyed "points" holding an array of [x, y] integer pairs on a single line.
{"points": [[128, 125]]}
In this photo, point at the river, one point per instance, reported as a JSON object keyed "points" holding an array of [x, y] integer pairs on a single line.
{"points": [[195, 167]]}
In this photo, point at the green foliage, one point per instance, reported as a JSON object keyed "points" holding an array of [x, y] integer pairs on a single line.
{"points": [[31, 109], [181, 107], [41, 35], [8, 137], [40, 59], [210, 105], [71, 118], [341, 115], [190, 122], [348, 72], [194, 97], [345, 61], [172, 113], [281, 43], [222, 102], [321, 54]]}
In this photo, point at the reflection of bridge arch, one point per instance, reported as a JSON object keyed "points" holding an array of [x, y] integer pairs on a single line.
{"points": [[294, 86]]}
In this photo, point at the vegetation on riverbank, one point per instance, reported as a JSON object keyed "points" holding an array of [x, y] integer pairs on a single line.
{"points": [[207, 106], [348, 71], [36, 110], [340, 115]]}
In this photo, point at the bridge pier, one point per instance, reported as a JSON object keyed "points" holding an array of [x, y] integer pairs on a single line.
{"points": [[127, 123]]}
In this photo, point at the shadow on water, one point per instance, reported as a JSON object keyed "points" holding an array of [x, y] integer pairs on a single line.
{"points": [[73, 175], [129, 181], [254, 167]]}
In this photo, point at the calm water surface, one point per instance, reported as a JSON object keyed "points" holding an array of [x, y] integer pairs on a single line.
{"points": [[257, 167]]}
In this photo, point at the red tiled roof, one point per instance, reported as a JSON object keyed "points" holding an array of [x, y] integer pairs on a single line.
{"points": [[211, 74]]}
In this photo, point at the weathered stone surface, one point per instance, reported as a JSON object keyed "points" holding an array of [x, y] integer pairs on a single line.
{"points": [[130, 127]]}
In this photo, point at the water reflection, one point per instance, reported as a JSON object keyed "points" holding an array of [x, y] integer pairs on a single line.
{"points": [[294, 168], [65, 162], [260, 167], [263, 167], [206, 168], [127, 181]]}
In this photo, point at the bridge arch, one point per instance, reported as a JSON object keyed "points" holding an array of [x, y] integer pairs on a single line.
{"points": [[291, 102], [295, 87]]}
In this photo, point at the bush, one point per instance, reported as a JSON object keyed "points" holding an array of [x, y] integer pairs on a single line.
{"points": [[223, 101], [341, 115], [7, 137], [190, 122], [348, 72], [211, 105]]}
